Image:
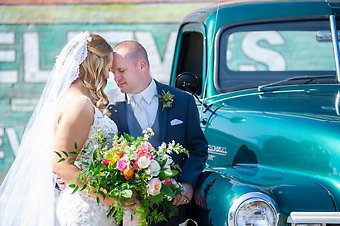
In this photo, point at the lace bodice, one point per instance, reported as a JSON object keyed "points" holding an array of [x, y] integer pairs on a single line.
{"points": [[77, 209], [102, 122]]}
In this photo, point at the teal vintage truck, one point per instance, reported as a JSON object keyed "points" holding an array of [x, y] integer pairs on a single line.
{"points": [[266, 77]]}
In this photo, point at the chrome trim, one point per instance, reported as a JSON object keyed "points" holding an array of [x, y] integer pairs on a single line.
{"points": [[324, 36], [314, 217], [337, 104], [335, 40], [251, 197]]}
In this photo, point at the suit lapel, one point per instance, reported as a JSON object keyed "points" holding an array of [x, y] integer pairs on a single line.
{"points": [[120, 108], [122, 116], [162, 115]]}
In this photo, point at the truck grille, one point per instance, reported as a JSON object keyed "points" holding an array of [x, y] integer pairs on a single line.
{"points": [[314, 219]]}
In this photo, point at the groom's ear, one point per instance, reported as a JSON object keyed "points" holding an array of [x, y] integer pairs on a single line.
{"points": [[143, 65]]}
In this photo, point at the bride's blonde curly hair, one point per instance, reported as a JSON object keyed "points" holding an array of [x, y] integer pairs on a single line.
{"points": [[93, 68]]}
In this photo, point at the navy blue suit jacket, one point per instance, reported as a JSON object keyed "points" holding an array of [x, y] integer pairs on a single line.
{"points": [[189, 133]]}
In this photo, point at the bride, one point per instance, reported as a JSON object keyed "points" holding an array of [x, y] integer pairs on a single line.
{"points": [[71, 109]]}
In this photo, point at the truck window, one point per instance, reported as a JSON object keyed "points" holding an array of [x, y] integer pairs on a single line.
{"points": [[257, 54], [191, 56]]}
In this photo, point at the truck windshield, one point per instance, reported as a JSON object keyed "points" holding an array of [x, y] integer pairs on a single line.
{"points": [[258, 54]]}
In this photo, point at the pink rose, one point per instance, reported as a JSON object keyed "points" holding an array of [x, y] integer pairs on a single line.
{"points": [[146, 146], [141, 152], [167, 181], [135, 165], [121, 164]]}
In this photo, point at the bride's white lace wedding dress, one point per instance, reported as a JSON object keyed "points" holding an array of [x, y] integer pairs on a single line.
{"points": [[78, 209]]}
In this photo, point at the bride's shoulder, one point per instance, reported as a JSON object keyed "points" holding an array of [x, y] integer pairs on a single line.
{"points": [[76, 104], [81, 102]]}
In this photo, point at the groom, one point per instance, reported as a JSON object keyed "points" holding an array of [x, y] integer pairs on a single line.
{"points": [[138, 104]]}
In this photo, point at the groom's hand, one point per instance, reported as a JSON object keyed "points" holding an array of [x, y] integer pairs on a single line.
{"points": [[186, 195]]}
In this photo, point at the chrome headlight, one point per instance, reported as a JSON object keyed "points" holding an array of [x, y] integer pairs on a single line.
{"points": [[253, 209]]}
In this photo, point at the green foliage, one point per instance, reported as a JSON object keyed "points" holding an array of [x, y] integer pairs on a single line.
{"points": [[130, 170]]}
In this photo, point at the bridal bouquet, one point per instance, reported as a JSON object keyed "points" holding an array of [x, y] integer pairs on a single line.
{"points": [[131, 168]]}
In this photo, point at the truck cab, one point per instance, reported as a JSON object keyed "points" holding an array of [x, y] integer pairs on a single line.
{"points": [[266, 78]]}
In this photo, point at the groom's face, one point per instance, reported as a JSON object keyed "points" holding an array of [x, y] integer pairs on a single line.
{"points": [[126, 72]]}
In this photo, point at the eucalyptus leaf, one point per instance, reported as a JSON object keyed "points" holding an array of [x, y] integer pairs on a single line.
{"points": [[127, 193], [61, 160], [84, 187], [75, 189], [58, 154]]}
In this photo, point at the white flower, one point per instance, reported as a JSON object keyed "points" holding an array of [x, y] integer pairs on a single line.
{"points": [[175, 183], [143, 162], [170, 147], [167, 165], [154, 186], [162, 148], [154, 168], [148, 133]]}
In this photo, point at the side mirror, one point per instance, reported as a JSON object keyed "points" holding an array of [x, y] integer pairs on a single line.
{"points": [[188, 82]]}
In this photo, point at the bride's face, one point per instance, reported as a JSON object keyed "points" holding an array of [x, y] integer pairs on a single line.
{"points": [[107, 69]]}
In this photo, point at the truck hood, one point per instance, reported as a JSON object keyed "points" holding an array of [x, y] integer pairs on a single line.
{"points": [[319, 102], [288, 129]]}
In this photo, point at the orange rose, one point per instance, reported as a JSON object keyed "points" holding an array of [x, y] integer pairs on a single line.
{"points": [[128, 172]]}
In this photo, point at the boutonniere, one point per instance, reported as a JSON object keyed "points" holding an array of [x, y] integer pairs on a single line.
{"points": [[167, 99]]}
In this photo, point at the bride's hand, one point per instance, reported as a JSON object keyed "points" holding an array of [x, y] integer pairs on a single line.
{"points": [[107, 201], [61, 183], [130, 204]]}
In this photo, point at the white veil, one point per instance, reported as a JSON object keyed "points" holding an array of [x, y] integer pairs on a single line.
{"points": [[27, 194]]}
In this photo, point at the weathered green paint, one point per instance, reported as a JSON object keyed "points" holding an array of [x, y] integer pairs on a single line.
{"points": [[35, 34], [98, 13], [19, 97]]}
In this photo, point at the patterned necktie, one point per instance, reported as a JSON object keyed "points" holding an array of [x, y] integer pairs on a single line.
{"points": [[139, 112]]}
